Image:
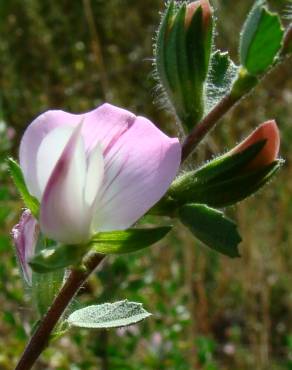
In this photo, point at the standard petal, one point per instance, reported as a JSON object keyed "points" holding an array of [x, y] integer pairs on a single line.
{"points": [[105, 124], [64, 216], [139, 167], [25, 236]]}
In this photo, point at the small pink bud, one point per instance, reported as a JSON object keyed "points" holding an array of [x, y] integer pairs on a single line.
{"points": [[192, 8], [266, 131]]}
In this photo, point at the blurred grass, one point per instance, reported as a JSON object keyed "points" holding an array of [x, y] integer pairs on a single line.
{"points": [[210, 312]]}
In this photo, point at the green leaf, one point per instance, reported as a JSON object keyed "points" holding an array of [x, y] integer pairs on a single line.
{"points": [[212, 228], [108, 315], [127, 241], [261, 39], [57, 257], [30, 201], [221, 75]]}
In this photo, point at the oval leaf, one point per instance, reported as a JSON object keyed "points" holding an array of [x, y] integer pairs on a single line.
{"points": [[261, 39], [212, 228], [108, 315]]}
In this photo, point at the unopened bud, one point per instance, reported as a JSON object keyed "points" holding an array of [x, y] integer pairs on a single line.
{"points": [[269, 132], [233, 176], [182, 57], [206, 12]]}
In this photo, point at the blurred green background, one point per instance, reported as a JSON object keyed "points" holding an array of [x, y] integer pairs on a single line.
{"points": [[209, 312]]}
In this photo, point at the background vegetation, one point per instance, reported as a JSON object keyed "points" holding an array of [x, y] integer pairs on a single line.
{"points": [[209, 312]]}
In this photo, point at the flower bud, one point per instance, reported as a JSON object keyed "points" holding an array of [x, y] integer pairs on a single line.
{"points": [[233, 176], [182, 56]]}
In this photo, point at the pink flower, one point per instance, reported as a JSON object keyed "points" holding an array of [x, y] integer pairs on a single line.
{"points": [[266, 131], [25, 237], [98, 171]]}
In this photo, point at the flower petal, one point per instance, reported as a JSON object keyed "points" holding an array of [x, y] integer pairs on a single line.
{"points": [[94, 175], [64, 216], [49, 153], [139, 168], [25, 237], [104, 124]]}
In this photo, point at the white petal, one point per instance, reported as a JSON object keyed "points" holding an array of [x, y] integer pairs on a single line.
{"points": [[49, 153], [64, 215]]}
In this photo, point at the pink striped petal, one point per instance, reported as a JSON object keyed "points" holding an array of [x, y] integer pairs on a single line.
{"points": [[139, 167], [104, 124], [64, 215], [25, 236]]}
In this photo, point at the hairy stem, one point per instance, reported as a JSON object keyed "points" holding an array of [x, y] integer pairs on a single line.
{"points": [[40, 338], [207, 123]]}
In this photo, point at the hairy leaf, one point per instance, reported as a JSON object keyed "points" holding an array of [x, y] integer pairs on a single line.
{"points": [[108, 315], [221, 75]]}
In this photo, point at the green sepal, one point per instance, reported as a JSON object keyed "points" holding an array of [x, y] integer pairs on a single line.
{"points": [[45, 286], [229, 192], [223, 181], [44, 289], [57, 257], [159, 48], [212, 228], [108, 315], [127, 241], [17, 176], [228, 165], [261, 39]]}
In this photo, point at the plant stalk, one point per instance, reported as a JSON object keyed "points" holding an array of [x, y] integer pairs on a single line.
{"points": [[207, 123], [41, 336]]}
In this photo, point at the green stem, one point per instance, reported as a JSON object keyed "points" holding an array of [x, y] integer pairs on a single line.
{"points": [[40, 338]]}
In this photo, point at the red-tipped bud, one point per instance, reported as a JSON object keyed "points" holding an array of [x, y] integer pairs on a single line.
{"points": [[266, 131], [206, 10], [235, 175]]}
